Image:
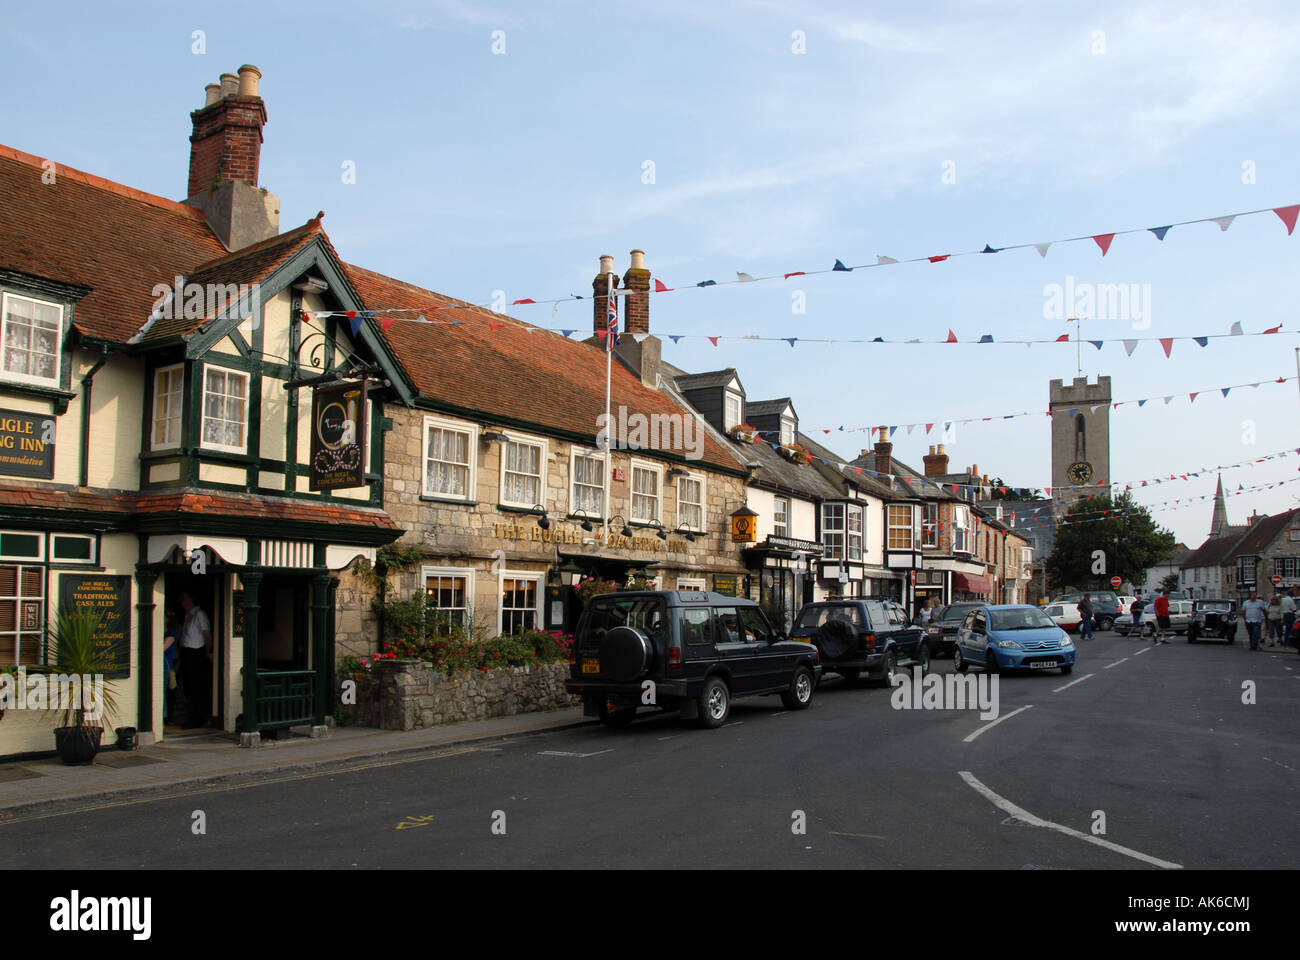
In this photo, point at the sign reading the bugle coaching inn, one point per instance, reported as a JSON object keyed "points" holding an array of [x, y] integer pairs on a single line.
{"points": [[108, 598], [26, 445], [338, 436]]}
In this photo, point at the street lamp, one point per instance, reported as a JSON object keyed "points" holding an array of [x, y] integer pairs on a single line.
{"points": [[684, 531], [622, 522], [569, 573], [543, 520]]}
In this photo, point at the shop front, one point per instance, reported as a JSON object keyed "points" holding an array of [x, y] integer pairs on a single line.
{"points": [[784, 568]]}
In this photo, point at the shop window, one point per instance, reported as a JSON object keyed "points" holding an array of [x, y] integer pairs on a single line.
{"points": [[448, 466], [588, 493], [522, 462], [167, 403], [22, 614], [225, 409], [448, 592], [520, 603], [30, 340], [690, 502]]}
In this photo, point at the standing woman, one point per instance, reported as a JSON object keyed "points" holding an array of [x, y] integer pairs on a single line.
{"points": [[1275, 621]]}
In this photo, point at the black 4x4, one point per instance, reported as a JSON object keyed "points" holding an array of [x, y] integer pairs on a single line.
{"points": [[683, 649], [871, 634]]}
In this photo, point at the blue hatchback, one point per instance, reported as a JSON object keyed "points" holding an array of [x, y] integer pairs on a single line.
{"points": [[1009, 637]]}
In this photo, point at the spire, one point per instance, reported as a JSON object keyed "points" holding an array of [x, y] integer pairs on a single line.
{"points": [[1219, 522]]}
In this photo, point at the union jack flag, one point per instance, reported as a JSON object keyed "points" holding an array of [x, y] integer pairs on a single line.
{"points": [[611, 323]]}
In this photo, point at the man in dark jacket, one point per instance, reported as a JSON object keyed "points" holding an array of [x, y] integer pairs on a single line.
{"points": [[1085, 617]]}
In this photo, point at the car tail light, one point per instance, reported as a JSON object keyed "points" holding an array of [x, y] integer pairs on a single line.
{"points": [[675, 659], [869, 641]]}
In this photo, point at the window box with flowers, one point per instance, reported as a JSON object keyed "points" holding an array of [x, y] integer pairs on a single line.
{"points": [[796, 453], [744, 432]]}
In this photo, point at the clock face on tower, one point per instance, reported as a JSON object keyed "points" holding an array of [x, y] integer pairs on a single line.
{"points": [[1080, 471]]}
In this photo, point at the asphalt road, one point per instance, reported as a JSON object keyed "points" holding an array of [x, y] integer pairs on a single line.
{"points": [[1155, 739]]}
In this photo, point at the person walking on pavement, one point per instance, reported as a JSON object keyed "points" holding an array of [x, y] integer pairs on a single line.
{"points": [[1135, 609], [1275, 620], [1288, 616], [1162, 618], [1085, 617], [1254, 610]]}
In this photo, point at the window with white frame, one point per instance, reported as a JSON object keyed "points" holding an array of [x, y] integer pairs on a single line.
{"points": [[448, 459], [225, 409], [588, 487], [449, 591], [22, 598], [72, 548], [900, 526], [167, 396], [787, 430], [522, 464], [645, 492], [1246, 570], [521, 598], [732, 414], [833, 530], [1286, 567], [690, 502], [31, 336], [961, 529], [694, 584], [930, 525], [780, 516], [853, 518]]}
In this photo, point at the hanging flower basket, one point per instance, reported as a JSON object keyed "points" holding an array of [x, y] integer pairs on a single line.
{"points": [[589, 587], [744, 432], [796, 453]]}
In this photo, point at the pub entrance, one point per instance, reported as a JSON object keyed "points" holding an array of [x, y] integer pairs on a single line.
{"points": [[184, 718]]}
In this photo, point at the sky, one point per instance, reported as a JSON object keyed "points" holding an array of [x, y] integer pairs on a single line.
{"points": [[505, 147]]}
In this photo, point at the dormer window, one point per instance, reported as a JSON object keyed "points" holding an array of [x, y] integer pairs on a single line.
{"points": [[787, 430], [732, 415], [31, 336]]}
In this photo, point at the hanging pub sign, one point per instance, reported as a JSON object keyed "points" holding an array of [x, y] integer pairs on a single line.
{"points": [[744, 526], [26, 445], [338, 436], [109, 599]]}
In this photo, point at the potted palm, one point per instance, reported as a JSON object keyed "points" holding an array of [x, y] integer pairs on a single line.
{"points": [[77, 654]]}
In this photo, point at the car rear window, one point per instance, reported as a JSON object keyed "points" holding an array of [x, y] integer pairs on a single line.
{"points": [[957, 611], [815, 617], [604, 614]]}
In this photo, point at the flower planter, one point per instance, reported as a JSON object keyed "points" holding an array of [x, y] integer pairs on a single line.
{"points": [[77, 746]]}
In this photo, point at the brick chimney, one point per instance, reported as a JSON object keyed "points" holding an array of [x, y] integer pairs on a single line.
{"points": [[884, 453], [601, 286], [636, 308], [225, 152], [936, 462]]}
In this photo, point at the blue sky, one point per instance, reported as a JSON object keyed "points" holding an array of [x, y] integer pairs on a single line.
{"points": [[478, 171]]}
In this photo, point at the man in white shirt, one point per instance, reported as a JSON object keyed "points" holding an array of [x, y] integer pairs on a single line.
{"points": [[1288, 616], [1255, 611], [196, 662]]}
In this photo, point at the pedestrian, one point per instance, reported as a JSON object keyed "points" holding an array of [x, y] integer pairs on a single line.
{"points": [[1136, 609], [1275, 620], [171, 637], [1254, 610], [1085, 617], [927, 611], [1162, 618], [1288, 616], [196, 662]]}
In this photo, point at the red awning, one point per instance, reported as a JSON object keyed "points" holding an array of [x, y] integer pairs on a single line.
{"points": [[971, 583]]}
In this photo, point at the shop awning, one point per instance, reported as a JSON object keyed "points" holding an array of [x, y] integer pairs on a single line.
{"points": [[971, 583]]}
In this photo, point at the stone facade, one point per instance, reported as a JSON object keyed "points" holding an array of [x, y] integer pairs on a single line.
{"points": [[1081, 438], [412, 695]]}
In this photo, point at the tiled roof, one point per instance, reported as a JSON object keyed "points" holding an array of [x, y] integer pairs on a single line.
{"points": [[703, 381], [862, 478], [82, 229], [766, 408], [1213, 552], [46, 498], [1256, 540], [498, 365], [777, 470]]}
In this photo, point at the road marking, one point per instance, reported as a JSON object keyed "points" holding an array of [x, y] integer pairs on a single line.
{"points": [[1116, 663], [734, 723], [1073, 682], [569, 753], [993, 723], [1025, 816], [859, 836], [1142, 651], [673, 737]]}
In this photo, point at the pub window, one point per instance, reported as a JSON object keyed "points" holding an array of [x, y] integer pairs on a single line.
{"points": [[225, 409], [588, 493], [30, 339], [780, 516], [645, 493], [72, 548], [167, 397], [22, 614], [520, 596], [522, 483], [448, 591], [900, 527], [448, 465], [690, 502]]}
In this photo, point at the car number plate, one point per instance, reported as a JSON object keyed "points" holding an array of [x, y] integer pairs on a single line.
{"points": [[590, 665], [1043, 665]]}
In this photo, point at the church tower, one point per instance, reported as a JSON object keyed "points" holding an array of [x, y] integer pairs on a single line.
{"points": [[1080, 440]]}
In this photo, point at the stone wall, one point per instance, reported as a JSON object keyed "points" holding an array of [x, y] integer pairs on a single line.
{"points": [[412, 695]]}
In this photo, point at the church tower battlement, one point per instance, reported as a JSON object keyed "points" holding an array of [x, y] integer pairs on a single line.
{"points": [[1080, 439]]}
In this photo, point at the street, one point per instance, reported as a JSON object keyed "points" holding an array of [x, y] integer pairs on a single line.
{"points": [[1145, 758]]}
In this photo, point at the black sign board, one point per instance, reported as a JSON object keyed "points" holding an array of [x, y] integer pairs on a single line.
{"points": [[26, 445], [338, 436], [237, 613], [728, 586], [110, 599]]}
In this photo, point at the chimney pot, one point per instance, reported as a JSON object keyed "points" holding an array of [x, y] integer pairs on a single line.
{"points": [[638, 259], [249, 76], [940, 448], [606, 264], [229, 85], [883, 431], [211, 94]]}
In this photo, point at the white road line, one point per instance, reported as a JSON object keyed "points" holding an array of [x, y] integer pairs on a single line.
{"points": [[1073, 682], [1116, 663], [1142, 651], [567, 753], [1026, 817], [993, 723]]}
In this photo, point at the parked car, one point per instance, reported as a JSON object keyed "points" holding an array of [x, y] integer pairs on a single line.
{"points": [[1180, 615], [871, 635], [941, 631], [689, 650], [1012, 637], [1064, 615], [1105, 606], [1213, 619]]}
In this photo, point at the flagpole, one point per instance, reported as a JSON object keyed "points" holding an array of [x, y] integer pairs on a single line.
{"points": [[609, 366]]}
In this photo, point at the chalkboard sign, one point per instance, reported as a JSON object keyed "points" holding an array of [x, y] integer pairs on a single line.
{"points": [[728, 586], [110, 599]]}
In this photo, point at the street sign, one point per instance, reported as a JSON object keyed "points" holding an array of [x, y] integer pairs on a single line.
{"points": [[1115, 581], [1277, 579]]}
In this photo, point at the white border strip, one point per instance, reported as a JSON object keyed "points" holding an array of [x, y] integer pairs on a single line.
{"points": [[1115, 664], [993, 723], [1026, 817], [1073, 682]]}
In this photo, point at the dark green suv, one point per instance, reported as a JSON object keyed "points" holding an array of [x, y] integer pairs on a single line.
{"points": [[857, 635], [683, 650]]}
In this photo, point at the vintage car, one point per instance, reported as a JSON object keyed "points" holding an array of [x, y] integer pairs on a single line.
{"points": [[1213, 620]]}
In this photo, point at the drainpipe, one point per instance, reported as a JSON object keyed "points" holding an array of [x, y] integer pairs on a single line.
{"points": [[88, 386]]}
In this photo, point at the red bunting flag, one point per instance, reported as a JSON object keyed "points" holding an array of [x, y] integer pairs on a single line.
{"points": [[796, 273], [385, 323], [351, 314], [940, 259], [493, 326], [1288, 215], [1193, 397], [524, 300], [952, 337], [1274, 329], [713, 340], [1103, 241], [928, 426], [1168, 344], [1063, 338], [1047, 491], [859, 469], [600, 335]]}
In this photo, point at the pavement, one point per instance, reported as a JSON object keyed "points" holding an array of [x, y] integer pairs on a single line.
{"points": [[209, 759]]}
